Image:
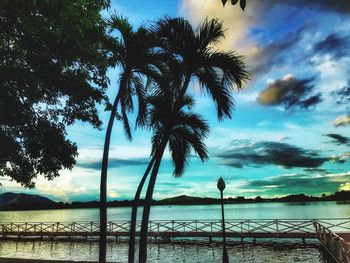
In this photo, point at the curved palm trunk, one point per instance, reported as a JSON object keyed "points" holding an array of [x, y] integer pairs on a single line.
{"points": [[148, 200], [185, 84], [103, 185], [134, 213]]}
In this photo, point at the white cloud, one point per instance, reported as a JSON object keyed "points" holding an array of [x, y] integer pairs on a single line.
{"points": [[113, 194], [344, 187], [235, 21]]}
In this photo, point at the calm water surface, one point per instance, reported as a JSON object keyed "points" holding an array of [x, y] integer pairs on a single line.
{"points": [[232, 211], [166, 253], [263, 251]]}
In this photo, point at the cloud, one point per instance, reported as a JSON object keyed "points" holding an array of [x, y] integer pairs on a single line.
{"points": [[342, 96], [113, 163], [291, 93], [274, 54], [299, 183], [334, 44], [344, 187], [343, 120], [339, 139], [340, 6], [316, 170], [271, 153], [112, 194], [340, 158], [236, 21]]}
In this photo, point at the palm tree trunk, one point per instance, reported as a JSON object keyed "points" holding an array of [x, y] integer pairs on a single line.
{"points": [[148, 201], [134, 213], [103, 185], [185, 84]]}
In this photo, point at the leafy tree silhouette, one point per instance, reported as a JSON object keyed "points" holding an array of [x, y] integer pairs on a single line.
{"points": [[242, 3], [53, 60]]}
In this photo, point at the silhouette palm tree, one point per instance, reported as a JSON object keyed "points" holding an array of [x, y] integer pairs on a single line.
{"points": [[166, 78], [137, 60], [217, 73], [173, 124]]}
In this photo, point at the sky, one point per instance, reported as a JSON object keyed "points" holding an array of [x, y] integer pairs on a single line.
{"points": [[289, 134]]}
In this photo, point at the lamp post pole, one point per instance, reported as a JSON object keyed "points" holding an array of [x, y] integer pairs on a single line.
{"points": [[221, 186]]}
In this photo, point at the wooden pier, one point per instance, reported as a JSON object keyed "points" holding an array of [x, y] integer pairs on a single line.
{"points": [[235, 228], [334, 234], [338, 245]]}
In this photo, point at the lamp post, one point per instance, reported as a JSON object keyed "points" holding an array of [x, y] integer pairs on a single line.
{"points": [[221, 186]]}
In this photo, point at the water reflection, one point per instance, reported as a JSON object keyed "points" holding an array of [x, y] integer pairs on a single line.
{"points": [[254, 211], [167, 252]]}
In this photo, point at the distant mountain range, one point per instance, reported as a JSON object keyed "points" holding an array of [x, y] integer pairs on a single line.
{"points": [[10, 201], [13, 201]]}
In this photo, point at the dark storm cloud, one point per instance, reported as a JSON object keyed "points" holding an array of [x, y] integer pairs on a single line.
{"points": [[299, 183], [333, 44], [340, 6], [113, 163], [342, 96], [337, 138], [290, 92], [271, 153]]}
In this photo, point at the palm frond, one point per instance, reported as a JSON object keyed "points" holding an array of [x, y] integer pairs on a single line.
{"points": [[209, 33], [180, 151], [195, 122], [120, 23], [230, 65], [141, 93], [222, 96], [182, 140], [125, 121]]}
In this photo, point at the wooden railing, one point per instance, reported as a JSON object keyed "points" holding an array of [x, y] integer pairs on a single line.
{"points": [[293, 228], [334, 244]]}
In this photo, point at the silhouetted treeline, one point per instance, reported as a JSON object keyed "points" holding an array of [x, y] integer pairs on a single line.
{"points": [[30, 203]]}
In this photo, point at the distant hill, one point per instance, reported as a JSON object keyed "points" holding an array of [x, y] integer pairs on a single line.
{"points": [[185, 199], [13, 201]]}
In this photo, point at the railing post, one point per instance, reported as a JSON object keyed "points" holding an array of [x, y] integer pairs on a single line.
{"points": [[172, 226], [277, 230], [58, 223]]}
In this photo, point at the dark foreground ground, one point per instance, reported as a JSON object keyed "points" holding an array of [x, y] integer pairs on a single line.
{"points": [[17, 260]]}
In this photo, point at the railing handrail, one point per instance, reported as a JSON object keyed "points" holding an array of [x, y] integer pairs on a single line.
{"points": [[232, 226], [184, 220], [335, 244]]}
